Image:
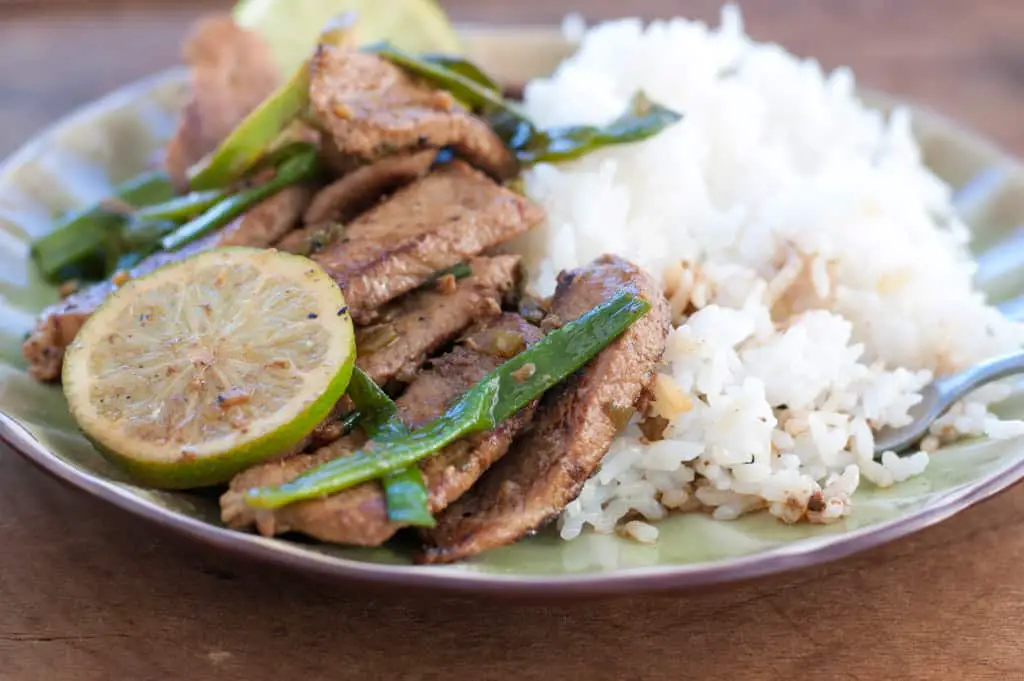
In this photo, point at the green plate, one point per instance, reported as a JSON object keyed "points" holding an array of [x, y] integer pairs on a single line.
{"points": [[79, 159]]}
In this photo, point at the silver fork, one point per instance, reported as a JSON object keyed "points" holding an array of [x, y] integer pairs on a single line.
{"points": [[942, 393]]}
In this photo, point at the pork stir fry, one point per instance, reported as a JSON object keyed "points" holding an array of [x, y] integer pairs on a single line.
{"points": [[573, 426], [359, 515], [391, 172], [372, 108]]}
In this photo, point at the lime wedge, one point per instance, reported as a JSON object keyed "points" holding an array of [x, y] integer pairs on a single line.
{"points": [[209, 365], [291, 27]]}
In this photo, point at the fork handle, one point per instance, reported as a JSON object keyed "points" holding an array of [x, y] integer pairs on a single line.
{"points": [[956, 386]]}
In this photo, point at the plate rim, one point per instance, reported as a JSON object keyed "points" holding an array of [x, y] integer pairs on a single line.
{"points": [[788, 557], [804, 553]]}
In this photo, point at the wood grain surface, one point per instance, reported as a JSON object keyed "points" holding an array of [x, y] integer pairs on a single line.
{"points": [[87, 592]]}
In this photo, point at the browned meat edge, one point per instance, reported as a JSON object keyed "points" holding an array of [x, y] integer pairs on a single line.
{"points": [[356, 191], [359, 515], [418, 324], [350, 195], [269, 220], [371, 108], [443, 219], [415, 326], [573, 428]]}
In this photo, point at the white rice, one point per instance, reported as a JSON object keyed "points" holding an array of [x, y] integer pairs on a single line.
{"points": [[827, 267]]}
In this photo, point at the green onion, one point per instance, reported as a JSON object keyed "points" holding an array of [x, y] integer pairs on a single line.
{"points": [[182, 208], [78, 245], [499, 395], [349, 421], [464, 68], [465, 88], [249, 142], [476, 91], [643, 119], [406, 494], [299, 168], [255, 136]]}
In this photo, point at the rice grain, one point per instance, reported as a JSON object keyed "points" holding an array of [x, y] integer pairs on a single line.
{"points": [[817, 272]]}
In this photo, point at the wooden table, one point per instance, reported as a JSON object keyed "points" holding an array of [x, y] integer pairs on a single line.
{"points": [[87, 592]]}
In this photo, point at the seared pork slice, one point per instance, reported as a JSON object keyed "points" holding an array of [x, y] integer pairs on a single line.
{"points": [[356, 191], [371, 108], [269, 220], [58, 324], [359, 515], [574, 424], [233, 71], [450, 215], [350, 195], [417, 325], [233, 509]]}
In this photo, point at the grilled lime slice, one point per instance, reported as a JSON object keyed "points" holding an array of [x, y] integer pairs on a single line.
{"points": [[291, 27], [209, 365]]}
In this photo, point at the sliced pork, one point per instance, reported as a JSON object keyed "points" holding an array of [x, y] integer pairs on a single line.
{"points": [[371, 108], [267, 222], [415, 326], [573, 427], [356, 191], [350, 195], [420, 323], [359, 515], [452, 214]]}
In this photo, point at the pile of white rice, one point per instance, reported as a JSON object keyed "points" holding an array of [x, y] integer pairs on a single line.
{"points": [[817, 271]]}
